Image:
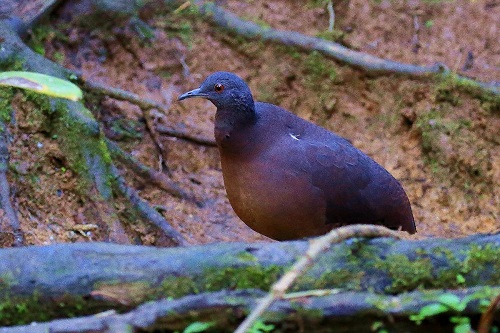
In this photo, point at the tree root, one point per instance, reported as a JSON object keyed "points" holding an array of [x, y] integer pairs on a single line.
{"points": [[369, 63], [9, 216], [146, 211], [81, 140], [148, 174], [186, 136]]}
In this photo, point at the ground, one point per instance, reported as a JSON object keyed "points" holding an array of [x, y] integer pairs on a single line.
{"points": [[438, 139]]}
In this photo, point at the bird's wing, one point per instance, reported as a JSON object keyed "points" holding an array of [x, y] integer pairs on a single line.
{"points": [[348, 180]]}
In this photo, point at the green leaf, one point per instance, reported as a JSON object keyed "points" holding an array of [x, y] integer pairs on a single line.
{"points": [[197, 327], [429, 311], [452, 301], [41, 83], [462, 324], [460, 278], [261, 327]]}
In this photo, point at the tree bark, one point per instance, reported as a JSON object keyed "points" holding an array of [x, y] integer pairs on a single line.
{"points": [[88, 277]]}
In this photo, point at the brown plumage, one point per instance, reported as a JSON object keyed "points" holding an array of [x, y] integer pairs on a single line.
{"points": [[287, 178]]}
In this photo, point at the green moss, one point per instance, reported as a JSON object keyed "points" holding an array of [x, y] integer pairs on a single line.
{"points": [[483, 256], [334, 35], [439, 135], [340, 278], [406, 275], [6, 95], [43, 33], [17, 311], [78, 136], [176, 287], [241, 278], [450, 84], [457, 272], [319, 71], [246, 257]]}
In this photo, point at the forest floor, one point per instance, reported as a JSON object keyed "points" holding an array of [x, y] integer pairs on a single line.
{"points": [[439, 140]]}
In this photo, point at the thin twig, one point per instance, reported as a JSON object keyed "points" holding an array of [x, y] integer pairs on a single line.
{"points": [[331, 13], [186, 136], [146, 211], [151, 124], [316, 246], [122, 95], [149, 174], [416, 31], [144, 104], [364, 61]]}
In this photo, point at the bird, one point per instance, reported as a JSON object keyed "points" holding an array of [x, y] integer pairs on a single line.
{"points": [[288, 178]]}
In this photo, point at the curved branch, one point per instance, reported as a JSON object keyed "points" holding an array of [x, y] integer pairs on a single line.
{"points": [[366, 62], [146, 211], [147, 173], [201, 140], [316, 246]]}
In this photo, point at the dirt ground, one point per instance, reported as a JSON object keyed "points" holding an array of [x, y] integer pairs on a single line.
{"points": [[439, 141]]}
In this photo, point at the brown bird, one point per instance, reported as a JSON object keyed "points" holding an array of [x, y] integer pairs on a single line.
{"points": [[287, 178]]}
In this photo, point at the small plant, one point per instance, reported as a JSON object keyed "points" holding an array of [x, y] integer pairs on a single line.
{"points": [[198, 327], [261, 327], [450, 303]]}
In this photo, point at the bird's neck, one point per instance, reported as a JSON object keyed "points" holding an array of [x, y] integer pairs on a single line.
{"points": [[232, 126]]}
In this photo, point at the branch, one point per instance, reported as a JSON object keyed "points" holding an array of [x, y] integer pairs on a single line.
{"points": [[89, 277], [347, 311], [145, 104], [146, 211], [147, 173], [316, 247], [364, 61], [201, 140]]}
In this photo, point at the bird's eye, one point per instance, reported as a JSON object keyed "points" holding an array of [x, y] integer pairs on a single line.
{"points": [[219, 87]]}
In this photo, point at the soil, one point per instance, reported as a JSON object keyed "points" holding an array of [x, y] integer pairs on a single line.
{"points": [[440, 141]]}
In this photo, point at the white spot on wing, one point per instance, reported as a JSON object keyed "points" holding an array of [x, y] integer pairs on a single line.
{"points": [[295, 137]]}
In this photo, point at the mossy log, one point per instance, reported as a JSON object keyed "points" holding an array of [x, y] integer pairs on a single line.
{"points": [[347, 311], [40, 283]]}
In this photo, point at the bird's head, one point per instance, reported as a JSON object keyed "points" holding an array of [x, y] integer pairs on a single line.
{"points": [[225, 90]]}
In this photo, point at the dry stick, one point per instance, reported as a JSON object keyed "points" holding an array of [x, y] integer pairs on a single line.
{"points": [[143, 103], [487, 316], [10, 213], [146, 211], [316, 246], [331, 13], [147, 173], [366, 62], [186, 136], [151, 125]]}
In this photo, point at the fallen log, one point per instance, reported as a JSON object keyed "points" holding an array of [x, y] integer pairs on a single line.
{"points": [[63, 280], [346, 311]]}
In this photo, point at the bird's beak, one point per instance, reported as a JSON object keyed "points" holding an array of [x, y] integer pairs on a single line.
{"points": [[193, 93]]}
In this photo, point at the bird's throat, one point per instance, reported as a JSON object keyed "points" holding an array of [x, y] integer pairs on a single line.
{"points": [[230, 126]]}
